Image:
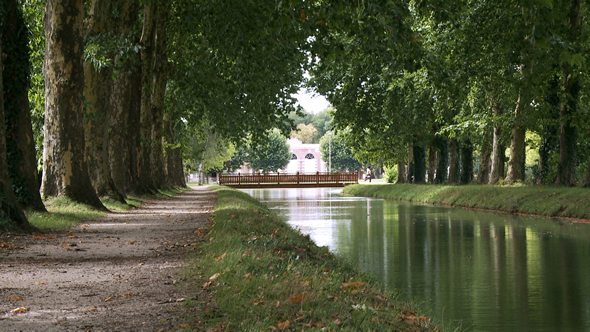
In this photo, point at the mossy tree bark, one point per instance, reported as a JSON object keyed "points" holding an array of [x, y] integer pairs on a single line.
{"points": [[65, 171], [123, 103], [20, 143], [98, 85], [11, 215], [146, 179], [160, 76]]}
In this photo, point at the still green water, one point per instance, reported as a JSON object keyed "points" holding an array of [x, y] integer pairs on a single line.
{"points": [[483, 271]]}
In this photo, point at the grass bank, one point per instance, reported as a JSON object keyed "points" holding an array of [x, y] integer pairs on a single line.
{"points": [[537, 200], [63, 213], [260, 274]]}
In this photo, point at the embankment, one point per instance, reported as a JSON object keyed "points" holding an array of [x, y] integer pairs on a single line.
{"points": [[261, 274], [536, 200]]}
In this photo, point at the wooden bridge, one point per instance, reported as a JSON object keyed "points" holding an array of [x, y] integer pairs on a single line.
{"points": [[298, 180]]}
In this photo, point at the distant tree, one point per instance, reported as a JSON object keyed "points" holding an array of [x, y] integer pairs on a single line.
{"points": [[237, 160], [341, 155], [322, 122], [307, 133], [270, 155]]}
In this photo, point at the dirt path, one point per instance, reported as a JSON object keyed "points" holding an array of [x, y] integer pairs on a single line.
{"points": [[119, 273]]}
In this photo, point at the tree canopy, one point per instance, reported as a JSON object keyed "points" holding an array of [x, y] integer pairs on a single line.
{"points": [[449, 91]]}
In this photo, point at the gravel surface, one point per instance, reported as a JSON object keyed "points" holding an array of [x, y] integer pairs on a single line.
{"points": [[123, 272]]}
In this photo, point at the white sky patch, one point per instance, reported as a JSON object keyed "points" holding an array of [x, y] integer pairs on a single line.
{"points": [[311, 102]]}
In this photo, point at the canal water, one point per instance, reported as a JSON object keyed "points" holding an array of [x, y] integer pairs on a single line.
{"points": [[484, 271]]}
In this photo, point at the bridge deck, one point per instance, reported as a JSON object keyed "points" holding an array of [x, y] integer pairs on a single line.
{"points": [[336, 179]]}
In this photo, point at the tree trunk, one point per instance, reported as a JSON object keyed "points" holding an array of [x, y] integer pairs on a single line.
{"points": [[517, 146], [133, 135], [97, 93], [419, 164], [498, 151], [549, 135], [466, 162], [454, 164], [483, 176], [442, 169], [159, 91], [566, 169], [410, 168], [174, 169], [517, 154], [587, 179], [65, 171], [20, 142], [401, 172], [121, 100], [146, 176], [11, 215]]}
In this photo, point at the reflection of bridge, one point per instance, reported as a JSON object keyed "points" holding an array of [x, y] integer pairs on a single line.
{"points": [[289, 180]]}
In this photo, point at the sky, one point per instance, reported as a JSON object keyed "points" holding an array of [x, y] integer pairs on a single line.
{"points": [[313, 103]]}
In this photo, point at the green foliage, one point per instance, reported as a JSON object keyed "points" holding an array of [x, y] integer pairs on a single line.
{"points": [[307, 134], [271, 154], [341, 154], [237, 63], [390, 174]]}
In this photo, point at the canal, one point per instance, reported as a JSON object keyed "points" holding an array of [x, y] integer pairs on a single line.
{"points": [[483, 271]]}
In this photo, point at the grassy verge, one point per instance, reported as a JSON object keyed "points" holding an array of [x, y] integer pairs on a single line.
{"points": [[544, 201], [261, 274], [64, 213]]}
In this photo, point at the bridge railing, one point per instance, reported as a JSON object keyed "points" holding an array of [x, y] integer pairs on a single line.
{"points": [[299, 178]]}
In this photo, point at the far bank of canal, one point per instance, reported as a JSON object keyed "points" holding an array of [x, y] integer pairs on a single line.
{"points": [[485, 271]]}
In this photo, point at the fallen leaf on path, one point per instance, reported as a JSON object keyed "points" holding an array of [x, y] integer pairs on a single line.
{"points": [[15, 298], [109, 298], [92, 309], [6, 246], [220, 257], [127, 294], [132, 242], [298, 298], [37, 237], [19, 310], [40, 282], [352, 285]]}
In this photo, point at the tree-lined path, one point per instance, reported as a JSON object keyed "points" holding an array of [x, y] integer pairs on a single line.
{"points": [[121, 272]]}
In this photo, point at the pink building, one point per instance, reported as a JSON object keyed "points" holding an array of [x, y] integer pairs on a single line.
{"points": [[305, 158]]}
